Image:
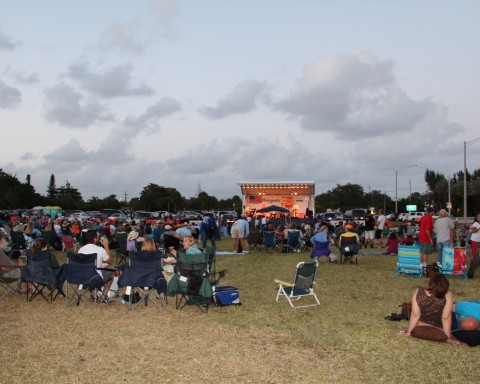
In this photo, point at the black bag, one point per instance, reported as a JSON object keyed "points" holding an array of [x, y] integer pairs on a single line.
{"points": [[431, 268], [135, 299], [474, 264]]}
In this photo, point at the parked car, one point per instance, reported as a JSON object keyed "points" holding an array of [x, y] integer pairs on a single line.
{"points": [[402, 216], [120, 217], [81, 216], [415, 216]]}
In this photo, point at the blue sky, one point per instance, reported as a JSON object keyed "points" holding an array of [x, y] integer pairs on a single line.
{"points": [[114, 95]]}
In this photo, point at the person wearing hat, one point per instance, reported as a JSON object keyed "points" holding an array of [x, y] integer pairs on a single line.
{"points": [[171, 238], [425, 237], [348, 234], [132, 241]]}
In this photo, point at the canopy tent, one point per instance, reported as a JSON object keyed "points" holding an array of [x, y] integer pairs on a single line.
{"points": [[273, 208]]}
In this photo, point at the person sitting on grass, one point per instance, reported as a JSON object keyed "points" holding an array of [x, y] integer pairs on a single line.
{"points": [[431, 317], [392, 244]]}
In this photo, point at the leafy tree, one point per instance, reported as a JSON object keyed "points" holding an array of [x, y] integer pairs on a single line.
{"points": [[15, 194], [52, 188]]}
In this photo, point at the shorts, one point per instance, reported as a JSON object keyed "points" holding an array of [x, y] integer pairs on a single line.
{"points": [[378, 234], [107, 276], [426, 248], [369, 235], [237, 232]]}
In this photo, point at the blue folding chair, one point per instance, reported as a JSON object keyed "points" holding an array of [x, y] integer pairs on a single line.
{"points": [[409, 261], [454, 261], [144, 273], [269, 241], [302, 285], [39, 275], [321, 248]]}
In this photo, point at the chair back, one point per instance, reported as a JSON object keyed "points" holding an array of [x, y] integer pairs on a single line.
{"points": [[454, 260], [122, 245], [82, 269], [146, 260], [40, 259], [409, 261], [305, 275], [269, 238], [68, 242], [293, 238], [321, 248]]}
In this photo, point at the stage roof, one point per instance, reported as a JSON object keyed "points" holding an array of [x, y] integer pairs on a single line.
{"points": [[277, 187]]}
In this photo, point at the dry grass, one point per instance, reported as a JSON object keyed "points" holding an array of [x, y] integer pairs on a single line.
{"points": [[344, 340]]}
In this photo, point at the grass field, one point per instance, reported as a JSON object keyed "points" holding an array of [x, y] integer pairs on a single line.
{"points": [[343, 340]]}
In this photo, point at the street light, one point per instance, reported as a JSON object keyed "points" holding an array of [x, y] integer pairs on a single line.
{"points": [[396, 185], [465, 143]]}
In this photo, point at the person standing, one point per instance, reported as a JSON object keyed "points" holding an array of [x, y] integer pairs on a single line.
{"points": [[443, 229], [369, 230], [380, 226], [475, 236], [425, 237], [239, 232]]}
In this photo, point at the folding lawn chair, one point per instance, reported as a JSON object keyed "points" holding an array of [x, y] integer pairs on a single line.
{"points": [[293, 241], [69, 243], [269, 241], [454, 261], [190, 284], [349, 249], [213, 275], [321, 248], [254, 239], [10, 280], [80, 273], [302, 285], [121, 251], [19, 245], [39, 275], [144, 273], [409, 261]]}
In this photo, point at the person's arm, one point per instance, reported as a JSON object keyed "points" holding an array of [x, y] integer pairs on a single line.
{"points": [[447, 315], [107, 250], [415, 314]]}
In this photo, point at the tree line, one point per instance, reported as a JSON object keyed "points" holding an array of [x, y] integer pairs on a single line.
{"points": [[15, 194]]}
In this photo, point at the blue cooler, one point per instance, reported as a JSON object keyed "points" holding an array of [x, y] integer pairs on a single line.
{"points": [[226, 295]]}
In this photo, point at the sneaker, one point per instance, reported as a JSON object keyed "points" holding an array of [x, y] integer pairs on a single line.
{"points": [[106, 300]]}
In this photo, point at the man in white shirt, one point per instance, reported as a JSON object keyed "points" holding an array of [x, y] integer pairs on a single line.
{"points": [[380, 223], [104, 258]]}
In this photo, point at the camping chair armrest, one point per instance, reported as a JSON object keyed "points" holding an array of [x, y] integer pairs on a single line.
{"points": [[276, 281]]}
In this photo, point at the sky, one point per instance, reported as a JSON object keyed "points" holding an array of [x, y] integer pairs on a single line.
{"points": [[113, 95]]}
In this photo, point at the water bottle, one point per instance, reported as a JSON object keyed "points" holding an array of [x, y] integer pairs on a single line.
{"points": [[123, 301], [117, 294]]}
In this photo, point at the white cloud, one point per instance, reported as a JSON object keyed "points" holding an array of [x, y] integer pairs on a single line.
{"points": [[6, 42], [122, 37], [22, 77], [112, 82], [165, 12], [10, 97], [242, 99], [355, 94], [149, 120], [70, 108]]}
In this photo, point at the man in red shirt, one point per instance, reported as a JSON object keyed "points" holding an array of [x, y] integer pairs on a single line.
{"points": [[425, 237]]}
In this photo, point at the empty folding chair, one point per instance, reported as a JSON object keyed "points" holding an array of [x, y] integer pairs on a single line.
{"points": [[145, 274], [409, 261], [454, 262], [19, 244], [302, 286], [190, 285], [213, 275], [80, 274], [39, 276]]}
